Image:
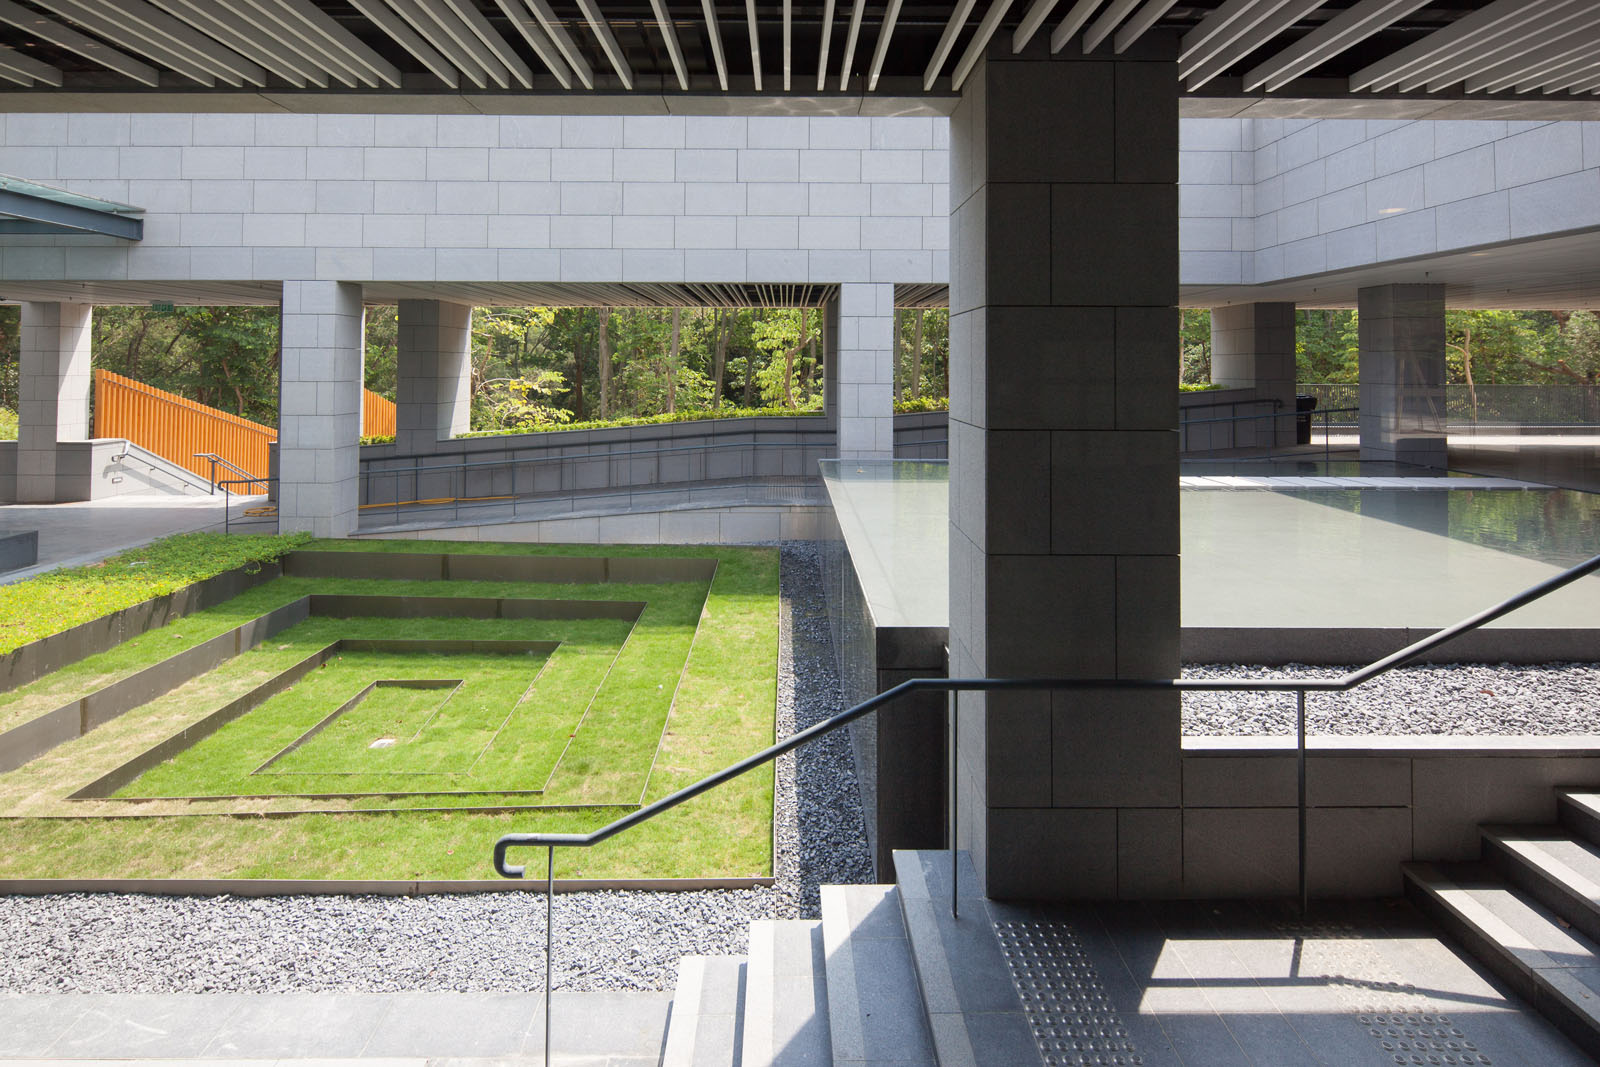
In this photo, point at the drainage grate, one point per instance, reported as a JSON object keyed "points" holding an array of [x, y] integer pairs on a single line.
{"points": [[1073, 1020]]}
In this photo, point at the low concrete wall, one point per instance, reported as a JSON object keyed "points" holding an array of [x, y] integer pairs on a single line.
{"points": [[567, 461], [19, 550], [1203, 436], [1374, 803], [730, 525], [901, 752], [922, 435]]}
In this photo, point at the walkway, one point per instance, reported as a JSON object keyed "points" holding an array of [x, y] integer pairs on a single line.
{"points": [[358, 1029], [71, 534]]}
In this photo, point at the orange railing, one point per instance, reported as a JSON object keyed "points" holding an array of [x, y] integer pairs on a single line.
{"points": [[176, 429]]}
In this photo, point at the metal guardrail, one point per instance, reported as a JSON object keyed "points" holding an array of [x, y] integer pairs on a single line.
{"points": [[458, 473], [266, 513], [1299, 686], [1325, 413], [232, 468]]}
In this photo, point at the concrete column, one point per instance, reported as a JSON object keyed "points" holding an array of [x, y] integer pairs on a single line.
{"points": [[865, 375], [53, 390], [1064, 465], [433, 391], [1403, 374], [319, 418], [1253, 347]]}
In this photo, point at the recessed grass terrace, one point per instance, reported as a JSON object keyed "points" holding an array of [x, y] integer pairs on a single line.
{"points": [[414, 742]]}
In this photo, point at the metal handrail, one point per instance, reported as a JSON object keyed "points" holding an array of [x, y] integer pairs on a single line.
{"points": [[1299, 686], [226, 485], [511, 463], [215, 459], [1327, 425]]}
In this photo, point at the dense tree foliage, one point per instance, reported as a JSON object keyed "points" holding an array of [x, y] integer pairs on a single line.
{"points": [[531, 367], [1481, 347]]}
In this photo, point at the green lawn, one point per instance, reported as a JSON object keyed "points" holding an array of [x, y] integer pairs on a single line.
{"points": [[604, 714]]}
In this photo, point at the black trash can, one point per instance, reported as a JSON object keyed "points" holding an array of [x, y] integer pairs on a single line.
{"points": [[1303, 407]]}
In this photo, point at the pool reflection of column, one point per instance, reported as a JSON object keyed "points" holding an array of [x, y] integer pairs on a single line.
{"points": [[1403, 374], [1063, 465]]}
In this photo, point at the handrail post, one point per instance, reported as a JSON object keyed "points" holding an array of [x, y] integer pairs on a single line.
{"points": [[955, 767], [1300, 759], [549, 940]]}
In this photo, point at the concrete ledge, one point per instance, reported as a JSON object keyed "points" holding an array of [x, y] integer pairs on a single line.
{"points": [[1337, 646], [431, 566], [273, 887], [19, 550], [39, 658]]}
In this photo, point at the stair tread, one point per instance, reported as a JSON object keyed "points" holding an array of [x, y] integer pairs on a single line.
{"points": [[1555, 855], [1553, 965], [963, 977], [707, 1012], [1524, 930], [786, 996], [874, 1009]]}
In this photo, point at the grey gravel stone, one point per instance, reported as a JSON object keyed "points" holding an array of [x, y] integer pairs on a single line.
{"points": [[1440, 699], [105, 943]]}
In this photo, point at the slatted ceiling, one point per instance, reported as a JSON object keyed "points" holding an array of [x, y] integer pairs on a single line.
{"points": [[1536, 48], [603, 294], [25, 70]]}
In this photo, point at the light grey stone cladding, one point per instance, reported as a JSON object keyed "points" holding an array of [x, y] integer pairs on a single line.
{"points": [[493, 198], [53, 390], [1270, 199], [319, 419]]}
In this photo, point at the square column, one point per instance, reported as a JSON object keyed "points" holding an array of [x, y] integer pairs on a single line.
{"points": [[1064, 465], [865, 374], [1402, 361], [53, 391], [1253, 347], [319, 417], [433, 389]]}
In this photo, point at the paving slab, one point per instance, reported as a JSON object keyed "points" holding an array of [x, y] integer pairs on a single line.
{"points": [[621, 1029]]}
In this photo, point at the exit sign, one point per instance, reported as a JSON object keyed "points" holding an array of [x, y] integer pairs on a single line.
{"points": [[161, 305]]}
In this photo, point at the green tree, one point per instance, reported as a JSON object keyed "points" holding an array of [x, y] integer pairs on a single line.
{"points": [[1327, 345]]}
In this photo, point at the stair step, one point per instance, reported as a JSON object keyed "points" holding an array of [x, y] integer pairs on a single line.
{"points": [[786, 996], [1553, 967], [1546, 862], [708, 1010], [1580, 813], [874, 1012], [971, 1001]]}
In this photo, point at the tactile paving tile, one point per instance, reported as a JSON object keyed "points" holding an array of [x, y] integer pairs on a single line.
{"points": [[1072, 1019], [1388, 1006]]}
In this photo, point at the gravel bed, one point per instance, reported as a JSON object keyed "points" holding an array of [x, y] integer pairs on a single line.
{"points": [[100, 943], [1449, 698]]}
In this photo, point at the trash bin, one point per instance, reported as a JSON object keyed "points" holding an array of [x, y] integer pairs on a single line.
{"points": [[1303, 407]]}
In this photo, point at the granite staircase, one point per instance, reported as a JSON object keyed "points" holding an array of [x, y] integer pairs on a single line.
{"points": [[887, 976], [1529, 910]]}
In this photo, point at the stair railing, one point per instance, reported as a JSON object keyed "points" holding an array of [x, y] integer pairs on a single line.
{"points": [[1299, 686], [233, 468]]}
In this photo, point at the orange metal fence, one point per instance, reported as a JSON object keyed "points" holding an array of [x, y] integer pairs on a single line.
{"points": [[176, 429], [377, 415]]}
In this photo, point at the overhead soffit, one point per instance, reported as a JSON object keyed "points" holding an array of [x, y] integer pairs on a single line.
{"points": [[478, 294], [1285, 57]]}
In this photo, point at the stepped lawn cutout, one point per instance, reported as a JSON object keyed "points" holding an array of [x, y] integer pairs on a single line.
{"points": [[394, 727]]}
